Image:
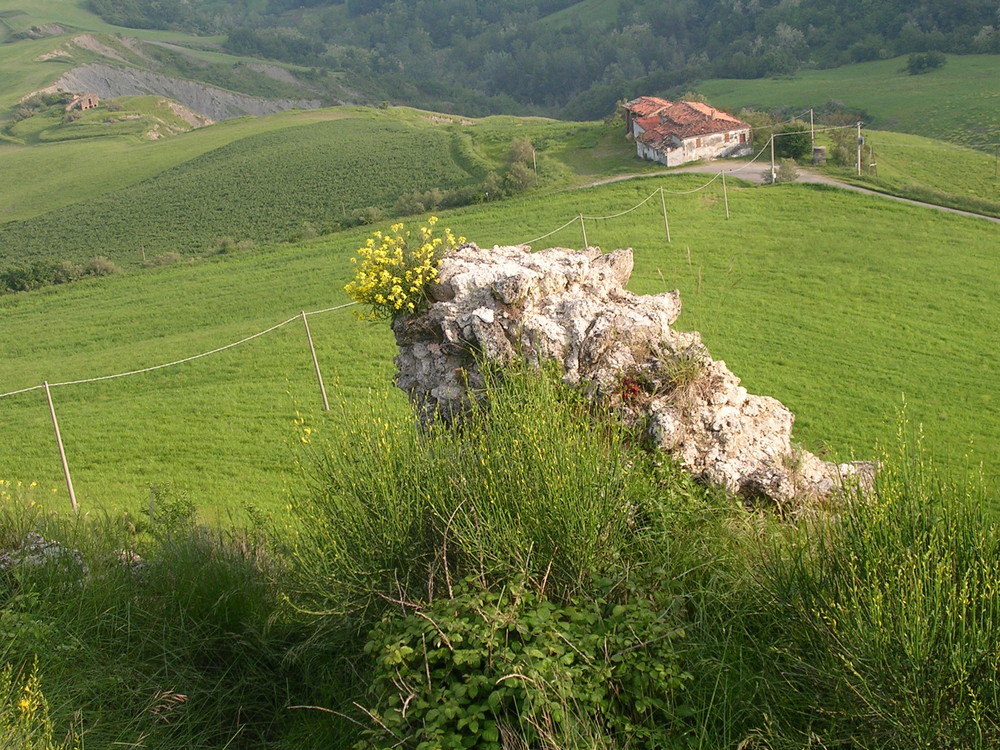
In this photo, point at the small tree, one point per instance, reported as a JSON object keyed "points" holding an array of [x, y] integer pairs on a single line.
{"points": [[521, 151], [842, 153], [924, 62], [518, 178], [787, 171], [792, 141]]}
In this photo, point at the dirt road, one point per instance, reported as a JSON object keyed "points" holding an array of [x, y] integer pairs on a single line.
{"points": [[755, 172]]}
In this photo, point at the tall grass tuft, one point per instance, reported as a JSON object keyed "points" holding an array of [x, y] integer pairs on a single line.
{"points": [[532, 491], [890, 615], [167, 635], [533, 484]]}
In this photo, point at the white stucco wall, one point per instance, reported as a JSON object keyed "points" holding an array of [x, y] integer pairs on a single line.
{"points": [[715, 146]]}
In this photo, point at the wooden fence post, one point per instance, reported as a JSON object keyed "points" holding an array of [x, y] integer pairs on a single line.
{"points": [[319, 374], [666, 224], [62, 450], [725, 194]]}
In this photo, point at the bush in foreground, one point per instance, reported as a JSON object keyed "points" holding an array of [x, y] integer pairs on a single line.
{"points": [[531, 579], [891, 612], [177, 649]]}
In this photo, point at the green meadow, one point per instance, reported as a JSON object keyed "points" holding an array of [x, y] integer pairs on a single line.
{"points": [[49, 176], [261, 188], [262, 180], [927, 170], [847, 308], [955, 103]]}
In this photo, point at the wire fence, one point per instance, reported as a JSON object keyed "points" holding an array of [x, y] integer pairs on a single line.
{"points": [[304, 317], [301, 316]]}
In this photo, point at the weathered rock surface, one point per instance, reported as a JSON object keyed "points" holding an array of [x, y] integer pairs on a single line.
{"points": [[108, 81], [571, 307], [36, 552]]}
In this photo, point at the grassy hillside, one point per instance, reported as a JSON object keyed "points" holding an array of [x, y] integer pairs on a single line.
{"points": [[842, 306], [261, 188], [49, 176], [955, 103], [928, 170], [32, 64], [260, 180]]}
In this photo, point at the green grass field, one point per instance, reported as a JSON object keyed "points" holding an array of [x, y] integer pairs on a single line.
{"points": [[928, 170], [261, 188], [955, 103], [259, 180], [50, 176], [842, 306]]}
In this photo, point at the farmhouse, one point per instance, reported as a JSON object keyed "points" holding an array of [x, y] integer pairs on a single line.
{"points": [[83, 101], [675, 133]]}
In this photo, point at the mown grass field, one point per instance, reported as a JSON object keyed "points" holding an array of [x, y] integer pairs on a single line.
{"points": [[49, 176], [844, 307], [955, 103]]}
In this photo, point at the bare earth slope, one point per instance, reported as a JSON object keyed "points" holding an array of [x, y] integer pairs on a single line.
{"points": [[109, 81]]}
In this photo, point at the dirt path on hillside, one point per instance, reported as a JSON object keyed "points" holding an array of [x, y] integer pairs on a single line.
{"points": [[755, 172]]}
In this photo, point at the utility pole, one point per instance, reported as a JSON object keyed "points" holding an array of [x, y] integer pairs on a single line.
{"points": [[861, 142], [812, 127]]}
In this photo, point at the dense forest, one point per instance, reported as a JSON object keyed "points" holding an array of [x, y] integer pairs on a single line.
{"points": [[566, 58]]}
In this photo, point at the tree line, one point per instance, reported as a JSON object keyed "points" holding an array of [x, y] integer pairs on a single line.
{"points": [[558, 57]]}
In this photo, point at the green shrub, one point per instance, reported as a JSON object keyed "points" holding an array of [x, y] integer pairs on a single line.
{"points": [[792, 141], [924, 62], [479, 668], [533, 491]]}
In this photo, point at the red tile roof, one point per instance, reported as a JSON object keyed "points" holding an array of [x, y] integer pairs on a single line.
{"points": [[645, 106], [682, 120]]}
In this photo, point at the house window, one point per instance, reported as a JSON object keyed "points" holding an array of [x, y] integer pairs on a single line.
{"points": [[697, 143], [727, 137]]}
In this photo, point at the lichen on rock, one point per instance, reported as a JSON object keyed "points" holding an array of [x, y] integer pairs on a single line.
{"points": [[571, 307]]}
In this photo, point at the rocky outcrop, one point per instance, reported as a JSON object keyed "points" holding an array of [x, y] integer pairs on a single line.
{"points": [[571, 307], [36, 552], [217, 104]]}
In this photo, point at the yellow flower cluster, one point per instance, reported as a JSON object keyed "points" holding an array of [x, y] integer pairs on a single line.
{"points": [[304, 431], [394, 269], [17, 491], [24, 714]]}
